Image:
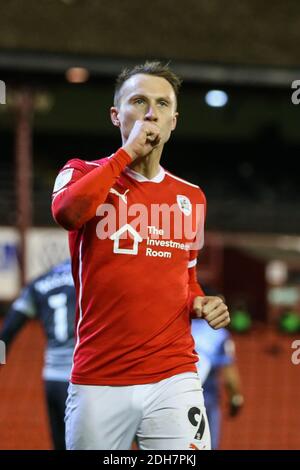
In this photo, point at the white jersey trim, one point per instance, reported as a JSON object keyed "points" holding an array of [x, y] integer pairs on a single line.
{"points": [[92, 163], [183, 181], [79, 302], [58, 192], [192, 263], [142, 179]]}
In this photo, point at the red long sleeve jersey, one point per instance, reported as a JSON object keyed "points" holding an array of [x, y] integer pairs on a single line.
{"points": [[134, 270]]}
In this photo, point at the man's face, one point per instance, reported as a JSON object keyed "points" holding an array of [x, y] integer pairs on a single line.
{"points": [[148, 98]]}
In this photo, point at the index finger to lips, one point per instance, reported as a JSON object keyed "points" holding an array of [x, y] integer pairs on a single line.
{"points": [[153, 128], [152, 132]]}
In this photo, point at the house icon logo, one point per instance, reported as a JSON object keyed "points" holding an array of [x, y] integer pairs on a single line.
{"points": [[116, 239]]}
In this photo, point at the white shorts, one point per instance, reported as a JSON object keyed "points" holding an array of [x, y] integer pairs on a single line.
{"points": [[167, 415]]}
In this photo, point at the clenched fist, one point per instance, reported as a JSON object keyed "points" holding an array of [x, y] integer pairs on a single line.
{"points": [[213, 310], [144, 136]]}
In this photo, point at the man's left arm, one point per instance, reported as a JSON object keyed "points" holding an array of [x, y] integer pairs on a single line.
{"points": [[210, 308]]}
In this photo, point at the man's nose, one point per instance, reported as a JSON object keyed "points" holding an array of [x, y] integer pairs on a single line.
{"points": [[151, 114]]}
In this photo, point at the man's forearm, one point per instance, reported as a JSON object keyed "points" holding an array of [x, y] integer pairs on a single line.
{"points": [[77, 204], [194, 288]]}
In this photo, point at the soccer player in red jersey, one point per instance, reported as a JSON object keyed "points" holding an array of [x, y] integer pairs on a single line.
{"points": [[134, 238]]}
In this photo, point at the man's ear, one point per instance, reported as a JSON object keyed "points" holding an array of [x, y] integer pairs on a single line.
{"points": [[174, 124], [114, 113]]}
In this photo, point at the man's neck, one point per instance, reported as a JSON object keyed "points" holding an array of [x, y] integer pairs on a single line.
{"points": [[148, 166]]}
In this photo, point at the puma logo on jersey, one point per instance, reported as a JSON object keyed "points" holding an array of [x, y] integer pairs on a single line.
{"points": [[122, 196]]}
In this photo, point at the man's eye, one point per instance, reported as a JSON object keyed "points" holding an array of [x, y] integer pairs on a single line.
{"points": [[139, 101], [163, 103]]}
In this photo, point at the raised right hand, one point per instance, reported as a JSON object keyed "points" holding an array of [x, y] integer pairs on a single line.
{"points": [[143, 138]]}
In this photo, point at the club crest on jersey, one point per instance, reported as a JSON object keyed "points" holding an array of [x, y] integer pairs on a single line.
{"points": [[184, 204]]}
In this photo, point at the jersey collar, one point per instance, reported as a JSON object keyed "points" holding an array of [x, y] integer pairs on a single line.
{"points": [[142, 179]]}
